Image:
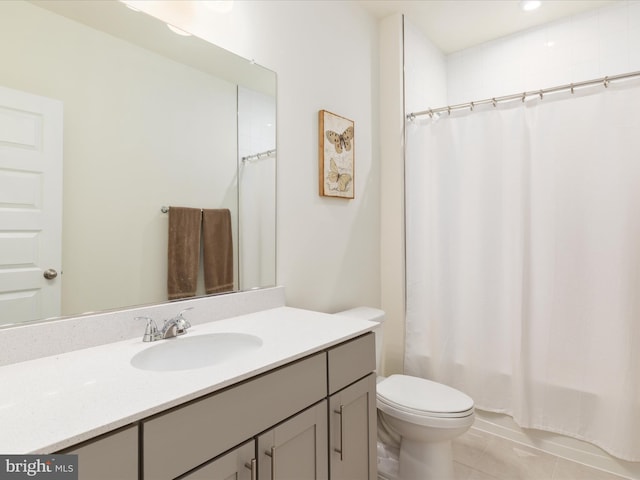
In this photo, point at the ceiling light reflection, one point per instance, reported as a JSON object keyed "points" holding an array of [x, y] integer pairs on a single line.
{"points": [[530, 5], [218, 6]]}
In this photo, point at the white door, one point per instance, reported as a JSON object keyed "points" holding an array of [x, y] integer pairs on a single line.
{"points": [[30, 206]]}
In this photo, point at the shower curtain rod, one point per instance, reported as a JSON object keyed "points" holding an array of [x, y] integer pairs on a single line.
{"points": [[522, 96], [258, 156]]}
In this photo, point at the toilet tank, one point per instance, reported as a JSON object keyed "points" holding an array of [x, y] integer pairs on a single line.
{"points": [[373, 315]]}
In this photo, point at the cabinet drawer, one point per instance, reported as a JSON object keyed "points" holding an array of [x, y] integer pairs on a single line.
{"points": [[351, 361], [182, 439]]}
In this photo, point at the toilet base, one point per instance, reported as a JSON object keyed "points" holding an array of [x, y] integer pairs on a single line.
{"points": [[425, 461]]}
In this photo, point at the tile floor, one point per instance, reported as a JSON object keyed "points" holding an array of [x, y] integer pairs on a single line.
{"points": [[481, 456]]}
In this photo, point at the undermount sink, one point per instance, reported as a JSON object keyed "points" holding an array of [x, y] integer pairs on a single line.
{"points": [[186, 353]]}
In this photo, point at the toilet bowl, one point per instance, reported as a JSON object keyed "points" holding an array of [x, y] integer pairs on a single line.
{"points": [[425, 415]]}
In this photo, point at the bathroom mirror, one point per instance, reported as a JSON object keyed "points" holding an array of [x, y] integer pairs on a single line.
{"points": [[151, 119]]}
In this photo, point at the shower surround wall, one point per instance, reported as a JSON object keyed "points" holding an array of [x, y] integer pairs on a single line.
{"points": [[591, 45], [601, 42]]}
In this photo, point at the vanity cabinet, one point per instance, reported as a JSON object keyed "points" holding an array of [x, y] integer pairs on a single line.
{"points": [[114, 455], [311, 419]]}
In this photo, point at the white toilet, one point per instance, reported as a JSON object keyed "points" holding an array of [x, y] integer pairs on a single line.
{"points": [[426, 415]]}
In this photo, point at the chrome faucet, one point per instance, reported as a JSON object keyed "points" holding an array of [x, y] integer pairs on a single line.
{"points": [[173, 327]]}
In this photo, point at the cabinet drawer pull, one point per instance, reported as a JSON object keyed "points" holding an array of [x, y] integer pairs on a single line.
{"points": [[252, 466], [340, 450], [272, 454]]}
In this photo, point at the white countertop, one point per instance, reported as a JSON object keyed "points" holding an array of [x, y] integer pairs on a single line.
{"points": [[51, 403]]}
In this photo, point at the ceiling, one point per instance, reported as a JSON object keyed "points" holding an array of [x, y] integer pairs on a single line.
{"points": [[454, 25]]}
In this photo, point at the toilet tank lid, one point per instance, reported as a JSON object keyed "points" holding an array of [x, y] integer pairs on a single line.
{"points": [[364, 313]]}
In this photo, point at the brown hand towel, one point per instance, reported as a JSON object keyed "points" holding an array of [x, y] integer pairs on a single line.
{"points": [[218, 250], [184, 251]]}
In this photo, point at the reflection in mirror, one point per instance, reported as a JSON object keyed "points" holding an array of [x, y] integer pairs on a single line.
{"points": [[150, 119], [257, 173]]}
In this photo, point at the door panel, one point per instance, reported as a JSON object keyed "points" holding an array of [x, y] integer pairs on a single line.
{"points": [[354, 431], [30, 206], [297, 448]]}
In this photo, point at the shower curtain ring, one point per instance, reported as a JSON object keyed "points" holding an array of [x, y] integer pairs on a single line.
{"points": [[493, 101], [524, 96], [448, 110], [430, 113], [572, 88], [540, 94], [606, 82], [471, 106]]}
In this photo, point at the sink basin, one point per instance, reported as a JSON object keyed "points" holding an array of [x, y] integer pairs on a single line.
{"points": [[187, 353]]}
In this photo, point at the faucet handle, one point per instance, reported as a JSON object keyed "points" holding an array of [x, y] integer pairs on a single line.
{"points": [[151, 330], [186, 324]]}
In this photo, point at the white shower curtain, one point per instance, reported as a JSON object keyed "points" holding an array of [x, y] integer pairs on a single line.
{"points": [[523, 261]]}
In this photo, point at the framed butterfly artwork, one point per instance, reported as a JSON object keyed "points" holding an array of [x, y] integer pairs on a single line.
{"points": [[336, 149]]}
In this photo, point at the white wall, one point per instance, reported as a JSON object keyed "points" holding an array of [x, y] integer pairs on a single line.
{"points": [[587, 46], [326, 57], [392, 192], [425, 71]]}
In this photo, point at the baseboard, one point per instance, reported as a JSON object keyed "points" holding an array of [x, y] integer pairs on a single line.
{"points": [[559, 445]]}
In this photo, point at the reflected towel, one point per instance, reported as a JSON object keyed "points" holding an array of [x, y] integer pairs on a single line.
{"points": [[218, 250], [184, 251]]}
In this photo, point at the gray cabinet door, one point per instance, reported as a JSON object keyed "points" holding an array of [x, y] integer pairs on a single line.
{"points": [[238, 464], [353, 431], [297, 448], [114, 455]]}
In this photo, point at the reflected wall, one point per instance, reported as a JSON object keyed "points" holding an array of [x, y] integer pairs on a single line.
{"points": [[257, 175]]}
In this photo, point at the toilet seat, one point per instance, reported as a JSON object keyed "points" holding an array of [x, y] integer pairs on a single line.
{"points": [[421, 401]]}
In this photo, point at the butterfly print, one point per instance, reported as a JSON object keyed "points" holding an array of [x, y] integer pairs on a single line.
{"points": [[342, 180], [341, 141]]}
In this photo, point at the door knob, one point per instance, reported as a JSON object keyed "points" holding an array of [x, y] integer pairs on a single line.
{"points": [[50, 274]]}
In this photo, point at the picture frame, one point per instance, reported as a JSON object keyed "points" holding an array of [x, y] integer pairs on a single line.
{"points": [[336, 152]]}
